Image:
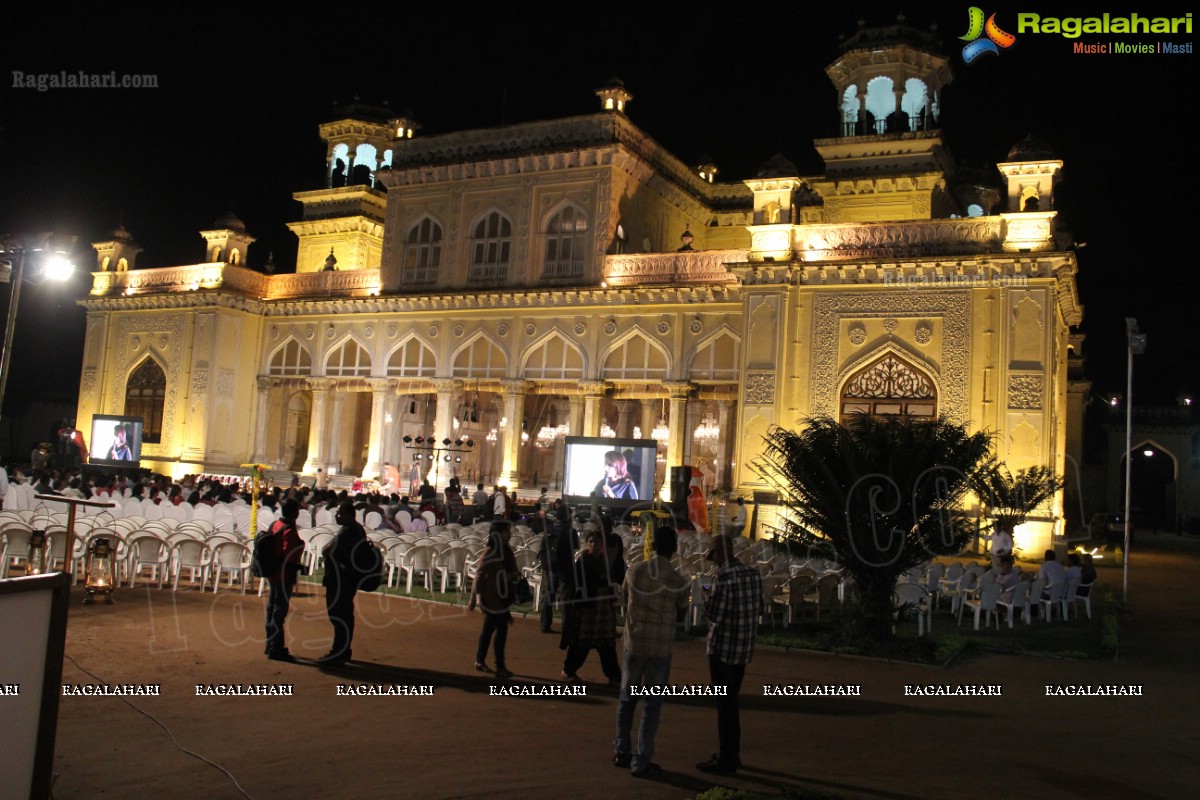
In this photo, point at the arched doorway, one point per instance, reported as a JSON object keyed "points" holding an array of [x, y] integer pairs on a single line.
{"points": [[889, 386], [1152, 487], [295, 431]]}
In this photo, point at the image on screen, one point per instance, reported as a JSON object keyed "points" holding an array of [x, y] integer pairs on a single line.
{"points": [[615, 472], [116, 441]]}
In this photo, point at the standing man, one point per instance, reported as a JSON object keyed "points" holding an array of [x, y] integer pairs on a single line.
{"points": [[282, 579], [341, 583], [3, 485], [500, 503], [737, 520], [655, 599], [733, 609]]}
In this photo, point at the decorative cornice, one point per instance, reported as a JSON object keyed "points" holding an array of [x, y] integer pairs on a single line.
{"points": [[923, 273], [968, 236], [705, 266]]}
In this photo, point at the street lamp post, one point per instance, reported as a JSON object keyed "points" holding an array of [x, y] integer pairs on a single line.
{"points": [[1137, 346], [50, 263]]}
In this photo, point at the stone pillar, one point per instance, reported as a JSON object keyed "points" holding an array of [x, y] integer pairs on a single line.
{"points": [[690, 453], [332, 459], [649, 416], [262, 420], [321, 388], [723, 445], [379, 430], [676, 442], [625, 419], [575, 414], [514, 409], [593, 393], [443, 423]]}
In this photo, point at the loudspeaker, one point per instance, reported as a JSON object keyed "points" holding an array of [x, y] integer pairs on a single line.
{"points": [[681, 479]]}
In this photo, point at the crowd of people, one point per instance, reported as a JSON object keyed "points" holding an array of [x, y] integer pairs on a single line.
{"points": [[586, 580]]}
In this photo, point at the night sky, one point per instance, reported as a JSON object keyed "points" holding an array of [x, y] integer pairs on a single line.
{"points": [[233, 126]]}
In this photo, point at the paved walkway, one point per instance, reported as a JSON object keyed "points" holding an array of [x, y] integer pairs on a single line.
{"points": [[464, 743]]}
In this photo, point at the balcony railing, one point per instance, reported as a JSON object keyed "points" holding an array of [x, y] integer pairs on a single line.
{"points": [[893, 123]]}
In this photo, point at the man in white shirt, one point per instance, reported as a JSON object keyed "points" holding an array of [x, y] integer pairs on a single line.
{"points": [[500, 503], [737, 520], [3, 485], [1055, 574]]}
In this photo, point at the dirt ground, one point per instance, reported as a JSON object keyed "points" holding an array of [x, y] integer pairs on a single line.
{"points": [[461, 742]]}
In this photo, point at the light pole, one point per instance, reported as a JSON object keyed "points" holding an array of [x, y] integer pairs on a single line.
{"points": [[1137, 346], [447, 450], [50, 263]]}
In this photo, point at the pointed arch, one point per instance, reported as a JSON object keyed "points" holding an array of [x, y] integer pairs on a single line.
{"points": [[635, 356], [290, 358], [479, 357], [717, 357], [888, 382], [146, 396], [422, 251], [491, 246], [348, 359], [554, 357], [566, 230], [411, 358]]}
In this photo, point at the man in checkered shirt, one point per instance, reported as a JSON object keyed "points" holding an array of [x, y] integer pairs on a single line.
{"points": [[655, 599], [733, 608]]}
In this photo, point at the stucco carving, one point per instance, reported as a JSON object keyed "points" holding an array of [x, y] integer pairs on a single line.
{"points": [[951, 306], [924, 237], [1025, 392], [225, 382], [693, 267], [172, 326], [199, 380], [760, 389]]}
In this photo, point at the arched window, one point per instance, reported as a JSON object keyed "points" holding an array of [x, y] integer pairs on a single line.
{"points": [[636, 359], [717, 360], [145, 397], [413, 359], [481, 359], [422, 252], [566, 236], [889, 387], [490, 248], [620, 241], [291, 359], [349, 360], [555, 359]]}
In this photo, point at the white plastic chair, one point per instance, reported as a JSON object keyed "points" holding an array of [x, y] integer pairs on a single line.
{"points": [[148, 549], [989, 593], [1073, 597], [1020, 601], [419, 559], [191, 554], [232, 558], [16, 545]]}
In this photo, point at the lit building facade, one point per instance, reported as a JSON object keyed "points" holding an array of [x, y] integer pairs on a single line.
{"points": [[513, 285]]}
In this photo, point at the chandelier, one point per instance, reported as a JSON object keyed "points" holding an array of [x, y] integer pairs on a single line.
{"points": [[549, 434], [708, 431], [606, 431], [491, 436], [661, 431]]}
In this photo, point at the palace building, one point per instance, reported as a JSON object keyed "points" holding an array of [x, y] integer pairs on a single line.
{"points": [[513, 285]]}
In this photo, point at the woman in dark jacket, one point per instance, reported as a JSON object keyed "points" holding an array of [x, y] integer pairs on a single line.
{"points": [[590, 616], [494, 596]]}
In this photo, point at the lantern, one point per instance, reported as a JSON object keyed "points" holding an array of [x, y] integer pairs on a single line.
{"points": [[100, 572], [35, 560]]}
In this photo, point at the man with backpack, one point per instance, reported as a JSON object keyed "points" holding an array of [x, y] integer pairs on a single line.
{"points": [[342, 579], [277, 554]]}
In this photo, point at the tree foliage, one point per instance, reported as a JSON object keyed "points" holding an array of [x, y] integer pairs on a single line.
{"points": [[1008, 499], [880, 495]]}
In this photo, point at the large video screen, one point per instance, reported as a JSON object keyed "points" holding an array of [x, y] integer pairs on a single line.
{"points": [[116, 441], [610, 472]]}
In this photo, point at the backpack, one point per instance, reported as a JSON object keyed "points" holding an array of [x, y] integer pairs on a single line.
{"points": [[367, 563], [265, 560]]}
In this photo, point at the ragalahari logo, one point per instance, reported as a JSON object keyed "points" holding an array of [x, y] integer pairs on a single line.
{"points": [[976, 28]]}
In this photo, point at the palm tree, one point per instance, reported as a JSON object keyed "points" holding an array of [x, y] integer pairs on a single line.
{"points": [[880, 495], [1007, 499]]}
